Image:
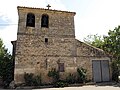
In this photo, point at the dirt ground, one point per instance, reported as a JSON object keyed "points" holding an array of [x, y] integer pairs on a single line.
{"points": [[91, 87]]}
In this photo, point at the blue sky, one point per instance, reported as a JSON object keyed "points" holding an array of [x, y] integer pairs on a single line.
{"points": [[92, 16]]}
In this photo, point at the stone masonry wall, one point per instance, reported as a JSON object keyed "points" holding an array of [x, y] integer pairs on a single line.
{"points": [[34, 55], [85, 54], [60, 23]]}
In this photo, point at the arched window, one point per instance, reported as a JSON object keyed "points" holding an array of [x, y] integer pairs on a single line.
{"points": [[45, 21], [30, 20]]}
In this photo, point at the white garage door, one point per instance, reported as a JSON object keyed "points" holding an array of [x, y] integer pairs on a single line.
{"points": [[100, 70]]}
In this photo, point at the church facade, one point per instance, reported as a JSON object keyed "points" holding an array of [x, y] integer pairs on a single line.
{"points": [[46, 40]]}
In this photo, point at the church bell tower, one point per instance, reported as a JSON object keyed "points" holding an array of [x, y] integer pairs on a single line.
{"points": [[45, 40]]}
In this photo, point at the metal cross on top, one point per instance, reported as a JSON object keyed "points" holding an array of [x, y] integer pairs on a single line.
{"points": [[48, 6]]}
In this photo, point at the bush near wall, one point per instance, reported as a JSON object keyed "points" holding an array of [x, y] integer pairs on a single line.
{"points": [[35, 80], [81, 75], [32, 80], [70, 79]]}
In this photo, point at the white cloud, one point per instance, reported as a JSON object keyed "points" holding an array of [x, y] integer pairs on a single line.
{"points": [[8, 9], [99, 17], [9, 34]]}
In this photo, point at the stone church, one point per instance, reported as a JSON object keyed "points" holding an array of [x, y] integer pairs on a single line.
{"points": [[46, 40]]}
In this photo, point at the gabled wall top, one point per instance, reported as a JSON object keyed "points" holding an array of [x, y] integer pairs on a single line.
{"points": [[43, 9]]}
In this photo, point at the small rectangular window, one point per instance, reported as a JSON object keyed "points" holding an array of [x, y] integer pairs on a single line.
{"points": [[46, 40], [61, 67]]}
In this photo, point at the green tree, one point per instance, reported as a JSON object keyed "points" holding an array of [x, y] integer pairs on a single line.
{"points": [[6, 65], [111, 45], [94, 40]]}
